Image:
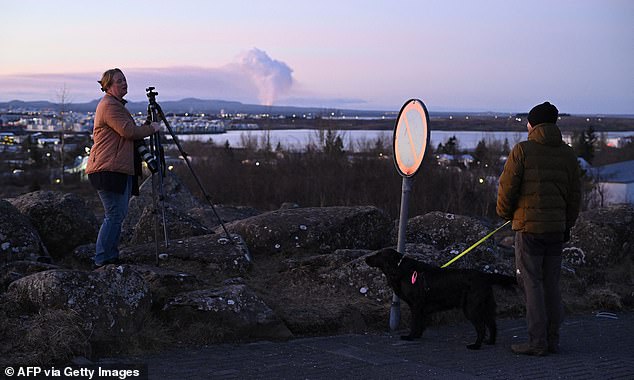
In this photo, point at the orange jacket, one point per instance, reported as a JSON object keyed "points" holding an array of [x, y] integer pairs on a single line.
{"points": [[114, 134]]}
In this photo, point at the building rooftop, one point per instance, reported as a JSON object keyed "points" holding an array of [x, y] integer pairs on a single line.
{"points": [[620, 172]]}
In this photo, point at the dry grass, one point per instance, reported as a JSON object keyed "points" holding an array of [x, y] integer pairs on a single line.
{"points": [[44, 338]]}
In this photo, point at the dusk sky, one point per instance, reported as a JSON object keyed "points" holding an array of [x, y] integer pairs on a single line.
{"points": [[485, 55]]}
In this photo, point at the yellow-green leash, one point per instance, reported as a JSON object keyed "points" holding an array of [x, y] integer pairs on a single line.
{"points": [[476, 244]]}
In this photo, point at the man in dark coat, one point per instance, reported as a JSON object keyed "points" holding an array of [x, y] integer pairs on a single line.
{"points": [[540, 192]]}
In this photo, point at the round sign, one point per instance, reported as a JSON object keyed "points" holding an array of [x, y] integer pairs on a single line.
{"points": [[411, 134]]}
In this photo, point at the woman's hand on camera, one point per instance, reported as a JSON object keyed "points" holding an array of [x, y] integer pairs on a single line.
{"points": [[156, 126]]}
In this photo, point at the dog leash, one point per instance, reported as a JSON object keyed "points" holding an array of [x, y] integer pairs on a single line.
{"points": [[476, 244]]}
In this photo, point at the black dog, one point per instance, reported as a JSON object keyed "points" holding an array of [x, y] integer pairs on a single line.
{"points": [[428, 289]]}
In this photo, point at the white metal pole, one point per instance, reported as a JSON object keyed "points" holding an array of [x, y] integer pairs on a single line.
{"points": [[395, 309]]}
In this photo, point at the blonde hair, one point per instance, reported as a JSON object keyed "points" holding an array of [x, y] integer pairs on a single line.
{"points": [[107, 77]]}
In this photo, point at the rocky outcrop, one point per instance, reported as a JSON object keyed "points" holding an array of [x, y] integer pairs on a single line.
{"points": [[441, 229], [289, 272], [212, 254], [438, 237], [176, 199], [63, 220], [165, 283], [230, 312], [211, 217], [314, 230], [15, 270], [598, 261], [19, 239], [179, 225], [602, 237], [185, 216], [112, 302]]}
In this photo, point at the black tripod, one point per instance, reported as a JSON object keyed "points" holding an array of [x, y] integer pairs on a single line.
{"points": [[158, 156], [156, 114]]}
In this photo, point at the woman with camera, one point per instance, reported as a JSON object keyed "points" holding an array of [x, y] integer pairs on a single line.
{"points": [[114, 164]]}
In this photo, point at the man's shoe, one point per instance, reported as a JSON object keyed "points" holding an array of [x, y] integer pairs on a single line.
{"points": [[553, 349], [526, 349]]}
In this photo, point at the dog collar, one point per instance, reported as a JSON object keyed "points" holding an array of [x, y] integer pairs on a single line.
{"points": [[415, 275], [418, 276]]}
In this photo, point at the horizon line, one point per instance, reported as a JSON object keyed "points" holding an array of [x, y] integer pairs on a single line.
{"points": [[440, 109]]}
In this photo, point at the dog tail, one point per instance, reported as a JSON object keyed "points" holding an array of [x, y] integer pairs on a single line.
{"points": [[502, 280]]}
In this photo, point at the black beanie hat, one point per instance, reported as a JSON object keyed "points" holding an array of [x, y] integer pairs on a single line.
{"points": [[543, 113]]}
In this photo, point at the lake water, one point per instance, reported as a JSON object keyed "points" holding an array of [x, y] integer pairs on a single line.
{"points": [[298, 139]]}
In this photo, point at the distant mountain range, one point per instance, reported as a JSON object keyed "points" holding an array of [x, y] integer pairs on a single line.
{"points": [[193, 105]]}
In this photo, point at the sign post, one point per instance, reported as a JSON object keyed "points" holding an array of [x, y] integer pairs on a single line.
{"points": [[411, 134]]}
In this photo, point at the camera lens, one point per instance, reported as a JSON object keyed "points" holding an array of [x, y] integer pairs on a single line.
{"points": [[148, 158]]}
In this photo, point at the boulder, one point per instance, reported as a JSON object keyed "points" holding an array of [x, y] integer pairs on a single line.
{"points": [[322, 294], [179, 225], [324, 263], [344, 268], [602, 237], [165, 283], [223, 212], [355, 274], [112, 302], [439, 237], [82, 257], [213, 257], [232, 312], [63, 220], [441, 229], [315, 229], [176, 195], [15, 270], [19, 239], [185, 216]]}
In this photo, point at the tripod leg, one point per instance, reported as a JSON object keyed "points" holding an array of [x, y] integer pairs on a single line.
{"points": [[162, 201], [156, 221]]}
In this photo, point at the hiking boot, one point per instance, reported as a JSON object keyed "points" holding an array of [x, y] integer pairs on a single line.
{"points": [[526, 349]]}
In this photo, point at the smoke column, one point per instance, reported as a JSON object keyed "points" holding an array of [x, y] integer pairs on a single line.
{"points": [[271, 77]]}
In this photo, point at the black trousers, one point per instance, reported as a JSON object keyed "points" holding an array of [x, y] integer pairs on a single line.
{"points": [[538, 264]]}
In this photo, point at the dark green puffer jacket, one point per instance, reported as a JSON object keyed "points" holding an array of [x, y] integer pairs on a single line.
{"points": [[540, 188]]}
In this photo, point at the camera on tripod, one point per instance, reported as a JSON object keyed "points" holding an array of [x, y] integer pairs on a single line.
{"points": [[151, 94], [149, 159], [157, 163]]}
